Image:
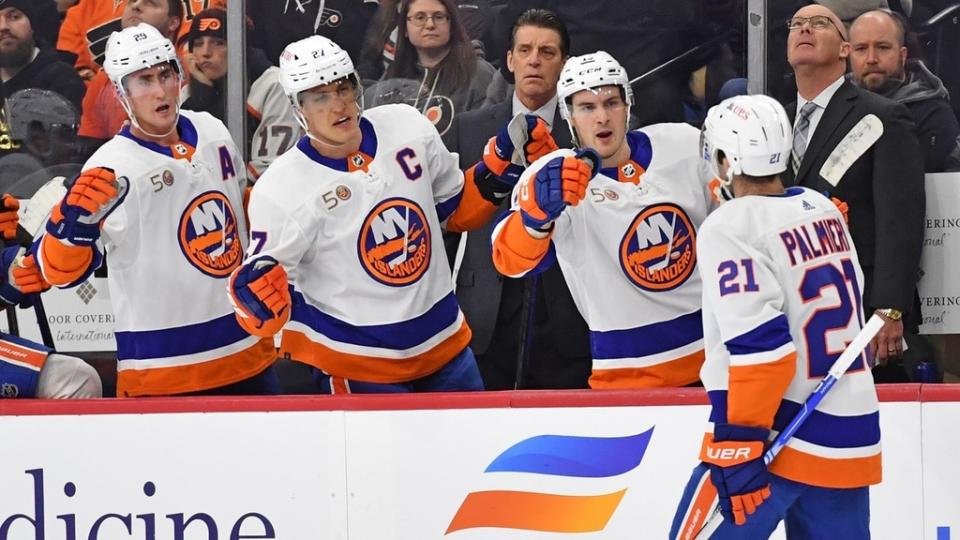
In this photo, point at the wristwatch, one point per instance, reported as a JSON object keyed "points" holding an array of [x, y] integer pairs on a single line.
{"points": [[891, 313]]}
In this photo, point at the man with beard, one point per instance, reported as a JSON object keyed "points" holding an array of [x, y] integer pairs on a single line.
{"points": [[879, 62], [24, 64]]}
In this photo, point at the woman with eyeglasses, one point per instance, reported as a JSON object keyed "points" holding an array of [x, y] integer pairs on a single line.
{"points": [[435, 67]]}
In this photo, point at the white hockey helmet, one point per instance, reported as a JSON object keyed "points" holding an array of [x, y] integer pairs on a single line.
{"points": [[135, 48], [754, 134], [312, 62], [587, 72]]}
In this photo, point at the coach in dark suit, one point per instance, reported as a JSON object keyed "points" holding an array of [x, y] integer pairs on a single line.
{"points": [[883, 187], [557, 345]]}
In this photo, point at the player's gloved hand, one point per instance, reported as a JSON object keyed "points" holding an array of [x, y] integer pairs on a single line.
{"points": [[22, 278], [562, 181], [842, 207], [734, 454], [8, 216], [260, 295], [499, 150], [79, 216]]}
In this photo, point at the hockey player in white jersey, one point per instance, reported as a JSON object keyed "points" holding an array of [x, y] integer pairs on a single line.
{"points": [[781, 299], [346, 253], [625, 235], [164, 199], [28, 369]]}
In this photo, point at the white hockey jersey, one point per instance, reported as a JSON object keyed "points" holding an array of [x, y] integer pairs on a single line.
{"points": [[173, 242], [360, 239], [628, 253], [277, 129], [782, 291]]}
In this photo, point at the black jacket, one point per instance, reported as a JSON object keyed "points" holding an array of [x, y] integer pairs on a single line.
{"points": [[480, 288], [48, 72], [927, 99], [277, 23], [884, 189]]}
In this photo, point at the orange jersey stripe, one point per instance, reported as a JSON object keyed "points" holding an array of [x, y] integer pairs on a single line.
{"points": [[680, 372], [473, 210], [197, 377], [755, 391], [21, 355], [827, 472], [515, 252], [370, 368]]}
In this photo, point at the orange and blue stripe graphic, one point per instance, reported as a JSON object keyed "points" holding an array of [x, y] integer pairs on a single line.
{"points": [[555, 455]]}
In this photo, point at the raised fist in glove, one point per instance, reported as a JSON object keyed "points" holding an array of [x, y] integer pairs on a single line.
{"points": [[79, 216], [562, 181], [734, 454], [22, 278], [536, 140], [8, 216], [260, 296]]}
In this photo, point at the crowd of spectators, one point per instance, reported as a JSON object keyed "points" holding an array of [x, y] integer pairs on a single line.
{"points": [[468, 66]]}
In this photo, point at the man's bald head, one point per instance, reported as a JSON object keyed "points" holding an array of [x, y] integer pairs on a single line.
{"points": [[817, 9], [817, 40], [877, 51]]}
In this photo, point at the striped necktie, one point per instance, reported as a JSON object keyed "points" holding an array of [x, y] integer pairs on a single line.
{"points": [[800, 133]]}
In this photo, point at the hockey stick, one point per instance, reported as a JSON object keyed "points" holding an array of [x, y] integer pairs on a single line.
{"points": [[837, 370], [35, 215]]}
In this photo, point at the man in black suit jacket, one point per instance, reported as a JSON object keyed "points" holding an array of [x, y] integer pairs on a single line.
{"points": [[883, 187], [557, 350]]}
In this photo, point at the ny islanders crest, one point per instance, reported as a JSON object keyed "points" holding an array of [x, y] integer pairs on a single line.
{"points": [[658, 251], [208, 235], [394, 244]]}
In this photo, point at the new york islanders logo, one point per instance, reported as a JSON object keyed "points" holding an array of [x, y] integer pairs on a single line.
{"points": [[394, 244], [658, 252], [208, 235]]}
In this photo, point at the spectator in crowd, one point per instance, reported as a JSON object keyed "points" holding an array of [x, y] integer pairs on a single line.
{"points": [[436, 68], [28, 63], [380, 43], [556, 351], [881, 184], [207, 61], [879, 62], [642, 34], [207, 43], [271, 121], [88, 24], [84, 32], [279, 22], [102, 116]]}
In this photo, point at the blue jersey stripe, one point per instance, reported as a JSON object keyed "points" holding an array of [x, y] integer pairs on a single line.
{"points": [[647, 340], [769, 336], [397, 336], [820, 428], [447, 207], [190, 339]]}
